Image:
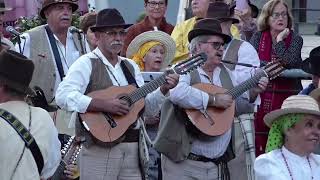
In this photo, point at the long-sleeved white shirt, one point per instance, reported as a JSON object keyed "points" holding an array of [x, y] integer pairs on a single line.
{"points": [[43, 131], [246, 54], [271, 166], [186, 96], [70, 93], [68, 54]]}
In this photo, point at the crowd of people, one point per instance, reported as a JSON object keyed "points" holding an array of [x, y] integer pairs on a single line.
{"points": [[230, 118]]}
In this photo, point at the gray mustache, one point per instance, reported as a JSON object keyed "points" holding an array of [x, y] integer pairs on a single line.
{"points": [[116, 43]]}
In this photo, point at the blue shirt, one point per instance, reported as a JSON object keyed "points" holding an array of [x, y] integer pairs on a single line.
{"points": [[308, 89]]}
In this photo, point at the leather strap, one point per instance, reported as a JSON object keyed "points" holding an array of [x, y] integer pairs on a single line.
{"points": [[127, 74], [232, 53], [26, 136], [55, 52]]}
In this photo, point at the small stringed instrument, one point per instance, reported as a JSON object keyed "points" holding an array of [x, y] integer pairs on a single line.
{"points": [[108, 128], [69, 154], [215, 121]]}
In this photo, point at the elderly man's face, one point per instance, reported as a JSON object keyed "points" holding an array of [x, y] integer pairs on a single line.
{"points": [[111, 39], [213, 47], [305, 135], [59, 15], [155, 9]]}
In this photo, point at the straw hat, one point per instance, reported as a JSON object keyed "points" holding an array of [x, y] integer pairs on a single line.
{"points": [[294, 104], [162, 37]]}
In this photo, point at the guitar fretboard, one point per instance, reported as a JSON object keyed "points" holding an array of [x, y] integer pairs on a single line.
{"points": [[246, 85], [147, 88], [59, 172]]}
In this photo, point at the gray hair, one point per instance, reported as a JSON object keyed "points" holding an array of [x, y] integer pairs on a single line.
{"points": [[196, 41]]}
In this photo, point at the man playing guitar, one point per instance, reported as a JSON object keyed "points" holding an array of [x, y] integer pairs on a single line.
{"points": [[100, 69]]}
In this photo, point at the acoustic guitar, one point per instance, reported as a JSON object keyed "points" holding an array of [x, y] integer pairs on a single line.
{"points": [[69, 154], [216, 121], [109, 128]]}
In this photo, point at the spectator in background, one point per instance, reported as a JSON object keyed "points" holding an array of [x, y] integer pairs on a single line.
{"points": [[311, 65], [88, 20], [5, 43], [152, 51], [155, 17], [275, 41], [247, 17], [293, 137]]}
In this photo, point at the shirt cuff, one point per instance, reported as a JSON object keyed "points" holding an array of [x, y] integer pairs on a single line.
{"points": [[84, 102]]}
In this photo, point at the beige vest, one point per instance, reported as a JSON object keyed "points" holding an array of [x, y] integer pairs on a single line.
{"points": [[41, 54]]}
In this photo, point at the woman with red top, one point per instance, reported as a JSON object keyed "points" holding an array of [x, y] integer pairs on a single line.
{"points": [[275, 41]]}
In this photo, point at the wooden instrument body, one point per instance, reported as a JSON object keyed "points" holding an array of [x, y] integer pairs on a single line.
{"points": [[218, 120], [99, 127]]}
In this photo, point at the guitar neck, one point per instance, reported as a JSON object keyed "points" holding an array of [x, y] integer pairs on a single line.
{"points": [[59, 172], [246, 85], [147, 88]]}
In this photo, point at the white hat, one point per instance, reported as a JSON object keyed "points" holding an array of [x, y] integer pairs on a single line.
{"points": [[162, 37], [294, 104]]}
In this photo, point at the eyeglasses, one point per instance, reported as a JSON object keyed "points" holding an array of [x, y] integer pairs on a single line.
{"points": [[115, 33], [215, 45], [153, 4], [277, 15]]}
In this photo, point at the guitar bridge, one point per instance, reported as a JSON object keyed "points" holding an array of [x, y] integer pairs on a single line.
{"points": [[207, 116]]}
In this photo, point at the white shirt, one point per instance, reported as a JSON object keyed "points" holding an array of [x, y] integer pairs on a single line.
{"points": [[45, 134], [8, 42], [271, 166], [246, 54], [186, 96], [68, 54], [70, 93]]}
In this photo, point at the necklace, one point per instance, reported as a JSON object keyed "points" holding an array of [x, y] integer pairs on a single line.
{"points": [[287, 165]]}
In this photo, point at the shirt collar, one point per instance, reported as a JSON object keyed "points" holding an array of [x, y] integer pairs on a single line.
{"points": [[147, 23], [105, 61]]}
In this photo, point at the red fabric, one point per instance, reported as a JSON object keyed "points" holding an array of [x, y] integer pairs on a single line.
{"points": [[141, 27], [277, 91]]}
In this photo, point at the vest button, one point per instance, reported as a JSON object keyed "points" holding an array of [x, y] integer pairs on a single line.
{"points": [[54, 75], [51, 89]]}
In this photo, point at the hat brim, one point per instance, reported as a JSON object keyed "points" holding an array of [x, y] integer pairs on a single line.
{"points": [[306, 66], [274, 115], [5, 9], [224, 19], [254, 10], [197, 32], [162, 37], [16, 86], [315, 94], [74, 7], [98, 28]]}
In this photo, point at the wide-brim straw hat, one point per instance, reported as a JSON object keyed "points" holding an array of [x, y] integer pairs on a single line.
{"points": [[162, 37], [3, 7], [294, 104], [48, 3]]}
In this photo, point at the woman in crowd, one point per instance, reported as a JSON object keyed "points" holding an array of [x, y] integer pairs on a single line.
{"points": [[88, 20], [152, 51], [275, 41], [293, 137]]}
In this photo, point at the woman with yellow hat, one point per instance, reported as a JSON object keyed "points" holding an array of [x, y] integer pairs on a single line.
{"points": [[152, 51], [294, 135]]}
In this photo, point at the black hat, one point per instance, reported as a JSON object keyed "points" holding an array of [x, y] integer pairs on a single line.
{"points": [[221, 11], [208, 26], [254, 9], [311, 65], [47, 3], [108, 18], [16, 70]]}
